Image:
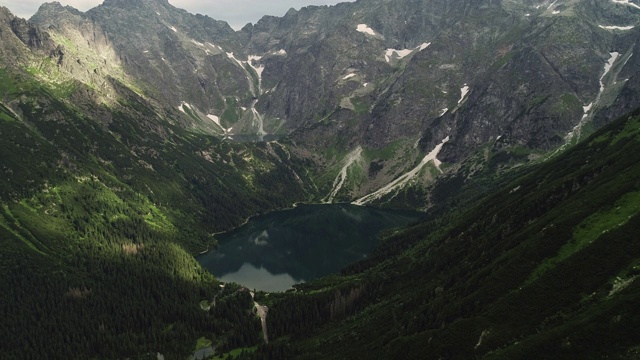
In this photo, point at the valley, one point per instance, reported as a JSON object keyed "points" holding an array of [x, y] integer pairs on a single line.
{"points": [[465, 175], [272, 252]]}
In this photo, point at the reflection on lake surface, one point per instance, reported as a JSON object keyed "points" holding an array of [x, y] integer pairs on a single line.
{"points": [[260, 278], [274, 251]]}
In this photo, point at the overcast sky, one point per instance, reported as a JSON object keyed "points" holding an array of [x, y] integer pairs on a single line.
{"points": [[236, 12]]}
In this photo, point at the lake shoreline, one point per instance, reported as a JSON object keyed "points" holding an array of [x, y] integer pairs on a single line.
{"points": [[275, 250]]}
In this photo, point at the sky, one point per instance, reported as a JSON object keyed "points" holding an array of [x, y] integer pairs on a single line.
{"points": [[236, 12]]}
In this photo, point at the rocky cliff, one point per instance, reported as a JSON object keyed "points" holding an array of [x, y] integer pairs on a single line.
{"points": [[393, 77]]}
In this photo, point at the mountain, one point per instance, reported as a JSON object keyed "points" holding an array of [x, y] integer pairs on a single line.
{"points": [[378, 75], [545, 265], [105, 197], [134, 132]]}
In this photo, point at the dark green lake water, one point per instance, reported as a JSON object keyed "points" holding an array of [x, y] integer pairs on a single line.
{"points": [[274, 251]]}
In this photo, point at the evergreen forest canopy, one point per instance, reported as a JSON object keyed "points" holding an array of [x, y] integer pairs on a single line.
{"points": [[108, 189]]}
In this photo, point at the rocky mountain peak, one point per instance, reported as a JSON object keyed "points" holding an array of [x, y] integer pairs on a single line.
{"points": [[377, 73], [26, 32], [30, 35], [53, 10], [133, 4], [57, 7], [53, 5], [5, 14]]}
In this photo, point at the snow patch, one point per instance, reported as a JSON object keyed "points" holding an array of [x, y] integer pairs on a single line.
{"points": [[230, 56], [423, 46], [197, 43], [259, 119], [280, 52], [173, 28], [482, 337], [258, 69], [404, 179], [621, 284], [463, 91], [352, 157], [616, 27], [348, 76], [586, 109], [626, 2], [389, 54], [556, 12], [607, 68], [183, 105], [216, 120], [443, 111], [363, 28], [400, 54], [214, 46]]}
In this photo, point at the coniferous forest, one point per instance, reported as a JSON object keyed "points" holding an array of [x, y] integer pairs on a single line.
{"points": [[134, 134]]}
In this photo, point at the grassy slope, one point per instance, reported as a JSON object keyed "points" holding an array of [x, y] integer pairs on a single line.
{"points": [[100, 208], [532, 266]]}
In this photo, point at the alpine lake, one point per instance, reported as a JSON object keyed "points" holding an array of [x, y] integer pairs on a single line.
{"points": [[274, 251]]}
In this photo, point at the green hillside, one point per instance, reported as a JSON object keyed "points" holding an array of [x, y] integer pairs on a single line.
{"points": [[126, 149], [545, 267], [99, 226], [99, 222]]}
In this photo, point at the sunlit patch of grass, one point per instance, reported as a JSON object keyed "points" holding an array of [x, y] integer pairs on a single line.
{"points": [[591, 229], [202, 343]]}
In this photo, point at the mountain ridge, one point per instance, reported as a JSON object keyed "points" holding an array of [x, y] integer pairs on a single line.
{"points": [[376, 74], [526, 271], [124, 154]]}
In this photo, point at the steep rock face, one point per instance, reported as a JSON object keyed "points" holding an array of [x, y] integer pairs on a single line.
{"points": [[77, 113], [391, 76], [171, 55], [118, 178], [18, 36], [30, 35], [398, 66], [519, 65], [530, 75], [84, 51]]}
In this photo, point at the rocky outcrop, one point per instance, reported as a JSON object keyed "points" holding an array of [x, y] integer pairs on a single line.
{"points": [[19, 38], [374, 73], [30, 35]]}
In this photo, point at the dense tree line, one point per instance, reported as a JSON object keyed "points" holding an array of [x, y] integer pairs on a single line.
{"points": [[113, 300], [513, 269], [99, 218]]}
